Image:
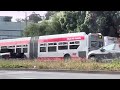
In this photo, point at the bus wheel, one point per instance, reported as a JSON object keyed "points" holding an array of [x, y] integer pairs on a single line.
{"points": [[67, 57], [92, 58]]}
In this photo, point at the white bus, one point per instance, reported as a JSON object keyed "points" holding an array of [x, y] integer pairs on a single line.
{"points": [[71, 45], [55, 47]]}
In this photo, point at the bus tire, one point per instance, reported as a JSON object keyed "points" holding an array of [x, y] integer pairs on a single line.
{"points": [[93, 58], [67, 57]]}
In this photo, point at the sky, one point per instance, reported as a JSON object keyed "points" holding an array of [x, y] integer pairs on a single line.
{"points": [[20, 14]]}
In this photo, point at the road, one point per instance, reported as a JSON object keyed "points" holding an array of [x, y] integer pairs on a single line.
{"points": [[4, 74]]}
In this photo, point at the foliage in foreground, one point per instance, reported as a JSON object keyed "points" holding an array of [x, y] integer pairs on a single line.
{"points": [[69, 65]]}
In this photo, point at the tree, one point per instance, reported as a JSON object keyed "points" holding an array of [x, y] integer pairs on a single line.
{"points": [[105, 22], [84, 28], [46, 27], [49, 14], [35, 17], [55, 25], [108, 23], [57, 22], [19, 20], [32, 30]]}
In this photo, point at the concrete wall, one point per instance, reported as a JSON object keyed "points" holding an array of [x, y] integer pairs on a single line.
{"points": [[12, 25], [11, 29]]}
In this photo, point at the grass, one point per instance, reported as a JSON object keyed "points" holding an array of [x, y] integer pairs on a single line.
{"points": [[69, 65]]}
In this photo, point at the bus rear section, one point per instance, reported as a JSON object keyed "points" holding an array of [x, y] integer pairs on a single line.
{"points": [[67, 46], [59, 47], [62, 46]]}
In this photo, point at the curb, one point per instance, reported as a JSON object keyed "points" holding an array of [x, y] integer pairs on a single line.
{"points": [[64, 70]]}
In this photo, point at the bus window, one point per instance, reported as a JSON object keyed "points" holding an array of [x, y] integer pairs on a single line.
{"points": [[60, 43], [18, 50], [25, 45], [43, 44], [52, 43], [3, 47], [65, 43], [62, 47], [52, 49], [11, 46], [71, 42], [55, 43], [94, 43], [42, 49], [24, 50], [18, 46], [77, 42], [5, 50], [74, 46], [12, 50]]}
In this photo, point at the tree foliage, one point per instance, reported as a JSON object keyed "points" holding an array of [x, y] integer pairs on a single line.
{"points": [[32, 30], [57, 22], [49, 14], [35, 17]]}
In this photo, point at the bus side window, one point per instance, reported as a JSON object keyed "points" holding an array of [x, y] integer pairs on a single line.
{"points": [[18, 46], [77, 42], [72, 42], [12, 50], [42, 49], [62, 47], [74, 46], [18, 50], [25, 50], [52, 49], [50, 44], [3, 47]]}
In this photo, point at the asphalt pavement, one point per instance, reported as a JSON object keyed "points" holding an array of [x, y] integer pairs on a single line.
{"points": [[7, 74]]}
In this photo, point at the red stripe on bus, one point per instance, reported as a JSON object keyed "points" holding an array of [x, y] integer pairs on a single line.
{"points": [[14, 43], [58, 58], [50, 58], [62, 39]]}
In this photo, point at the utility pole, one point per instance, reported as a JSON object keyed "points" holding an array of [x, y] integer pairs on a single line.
{"points": [[26, 18]]}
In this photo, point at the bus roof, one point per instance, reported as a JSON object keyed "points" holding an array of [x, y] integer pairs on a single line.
{"points": [[62, 35]]}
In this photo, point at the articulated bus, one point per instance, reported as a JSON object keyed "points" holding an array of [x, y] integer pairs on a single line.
{"points": [[55, 47]]}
